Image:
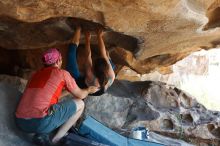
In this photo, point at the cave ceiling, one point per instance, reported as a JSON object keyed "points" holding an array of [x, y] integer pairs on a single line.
{"points": [[149, 34]]}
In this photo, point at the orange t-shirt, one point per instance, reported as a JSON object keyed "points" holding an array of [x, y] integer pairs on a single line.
{"points": [[42, 91]]}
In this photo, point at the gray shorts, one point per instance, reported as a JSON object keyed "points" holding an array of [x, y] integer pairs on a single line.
{"points": [[59, 114]]}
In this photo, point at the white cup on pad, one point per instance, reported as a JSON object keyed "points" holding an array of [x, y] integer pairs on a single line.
{"points": [[140, 133]]}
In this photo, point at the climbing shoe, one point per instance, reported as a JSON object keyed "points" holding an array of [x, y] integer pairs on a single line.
{"points": [[42, 140]]}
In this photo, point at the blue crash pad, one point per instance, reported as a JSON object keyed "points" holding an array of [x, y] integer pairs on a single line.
{"points": [[94, 130]]}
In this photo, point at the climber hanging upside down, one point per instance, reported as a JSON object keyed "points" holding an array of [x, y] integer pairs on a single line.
{"points": [[99, 73]]}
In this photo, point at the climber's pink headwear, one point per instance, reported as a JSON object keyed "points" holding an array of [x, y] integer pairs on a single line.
{"points": [[51, 56]]}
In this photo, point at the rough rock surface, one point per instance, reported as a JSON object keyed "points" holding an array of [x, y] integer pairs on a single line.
{"points": [[158, 106], [16, 82], [9, 134], [160, 30], [197, 74]]}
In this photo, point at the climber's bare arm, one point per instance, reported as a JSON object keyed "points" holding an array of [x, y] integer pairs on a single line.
{"points": [[104, 54]]}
